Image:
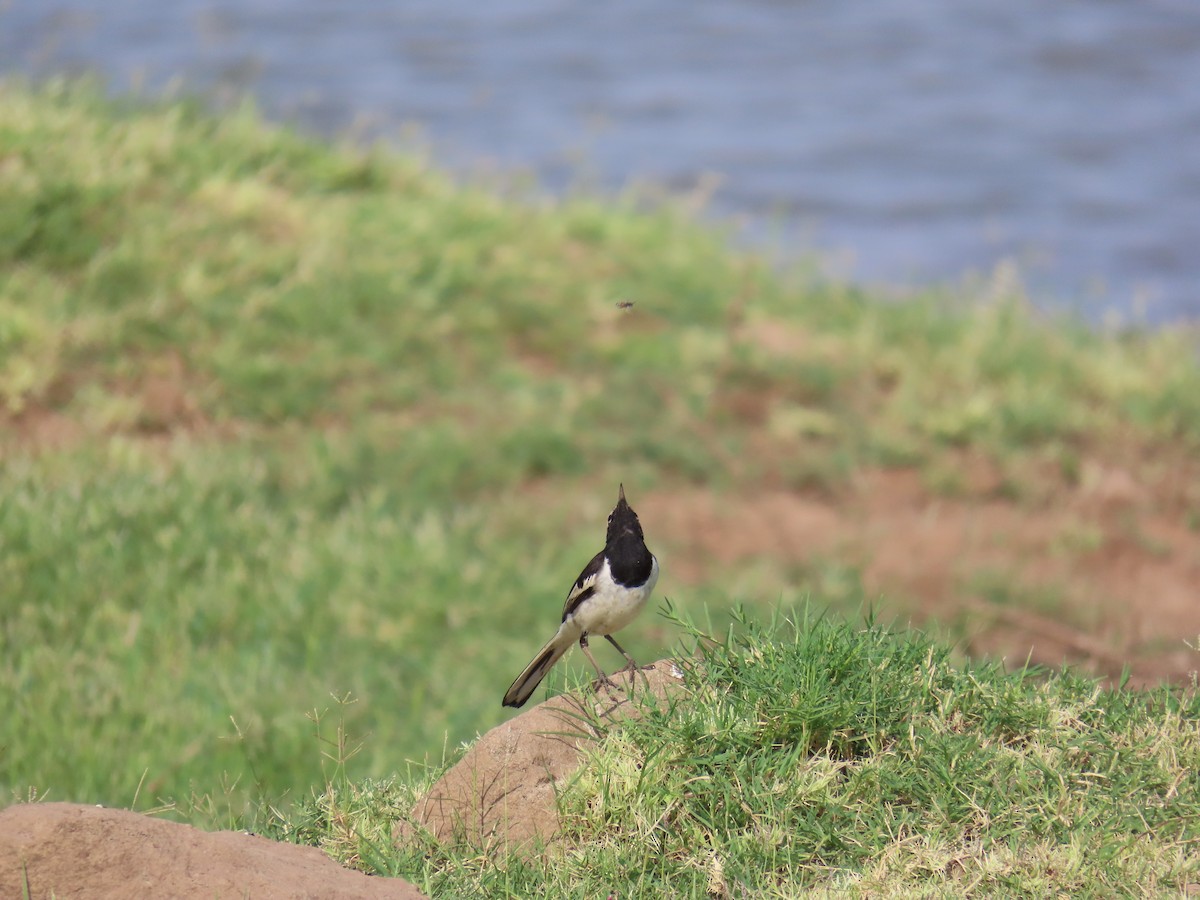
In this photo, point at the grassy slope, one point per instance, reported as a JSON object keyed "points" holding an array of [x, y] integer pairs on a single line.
{"points": [[848, 760], [271, 412]]}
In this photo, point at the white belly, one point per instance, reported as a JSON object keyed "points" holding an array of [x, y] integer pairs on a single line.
{"points": [[611, 607]]}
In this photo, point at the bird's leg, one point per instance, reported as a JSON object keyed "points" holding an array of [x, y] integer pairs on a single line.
{"points": [[604, 679], [632, 667]]}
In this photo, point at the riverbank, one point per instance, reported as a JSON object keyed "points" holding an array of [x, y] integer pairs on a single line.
{"points": [[302, 445]]}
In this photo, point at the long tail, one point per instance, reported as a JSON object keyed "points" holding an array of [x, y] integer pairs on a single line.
{"points": [[527, 682]]}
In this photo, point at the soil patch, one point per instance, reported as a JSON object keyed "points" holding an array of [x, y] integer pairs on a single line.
{"points": [[65, 850], [1105, 574]]}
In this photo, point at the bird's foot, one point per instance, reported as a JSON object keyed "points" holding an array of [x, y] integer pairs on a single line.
{"points": [[631, 666], [633, 669], [606, 683]]}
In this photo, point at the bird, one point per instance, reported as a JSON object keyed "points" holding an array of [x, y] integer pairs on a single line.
{"points": [[608, 594]]}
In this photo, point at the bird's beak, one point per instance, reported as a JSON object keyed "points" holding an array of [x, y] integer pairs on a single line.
{"points": [[621, 496]]}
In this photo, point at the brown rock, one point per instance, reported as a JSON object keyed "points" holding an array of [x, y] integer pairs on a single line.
{"points": [[503, 790], [66, 850]]}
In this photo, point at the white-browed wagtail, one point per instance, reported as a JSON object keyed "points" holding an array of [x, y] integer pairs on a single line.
{"points": [[607, 595]]}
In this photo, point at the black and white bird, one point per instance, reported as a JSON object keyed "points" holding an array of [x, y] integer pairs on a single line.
{"points": [[607, 595]]}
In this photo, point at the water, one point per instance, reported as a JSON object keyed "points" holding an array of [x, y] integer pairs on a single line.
{"points": [[910, 141]]}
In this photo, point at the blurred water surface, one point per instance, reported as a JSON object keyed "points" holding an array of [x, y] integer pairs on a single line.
{"points": [[910, 141]]}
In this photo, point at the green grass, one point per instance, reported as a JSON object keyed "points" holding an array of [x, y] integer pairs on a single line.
{"points": [[178, 620], [289, 282], [819, 755], [293, 433]]}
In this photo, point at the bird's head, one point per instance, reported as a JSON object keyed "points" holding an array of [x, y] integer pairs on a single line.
{"points": [[623, 520]]}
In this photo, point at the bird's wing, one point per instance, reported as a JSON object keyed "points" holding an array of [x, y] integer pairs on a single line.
{"points": [[585, 585]]}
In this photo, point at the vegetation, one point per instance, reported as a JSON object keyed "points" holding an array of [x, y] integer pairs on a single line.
{"points": [[822, 756], [301, 446]]}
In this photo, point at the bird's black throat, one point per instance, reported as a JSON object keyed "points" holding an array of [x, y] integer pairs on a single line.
{"points": [[629, 560]]}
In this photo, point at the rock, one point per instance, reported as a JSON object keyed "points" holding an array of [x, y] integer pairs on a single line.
{"points": [[66, 850], [503, 790]]}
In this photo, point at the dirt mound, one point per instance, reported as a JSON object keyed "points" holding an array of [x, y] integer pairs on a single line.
{"points": [[503, 791], [66, 850]]}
